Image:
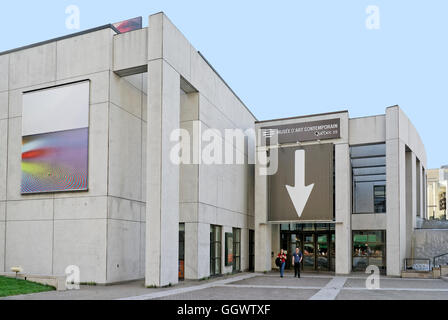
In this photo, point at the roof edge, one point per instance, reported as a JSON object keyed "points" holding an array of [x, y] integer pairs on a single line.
{"points": [[37, 44], [305, 116], [226, 84]]}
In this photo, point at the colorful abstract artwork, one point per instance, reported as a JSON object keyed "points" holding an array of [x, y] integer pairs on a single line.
{"points": [[54, 159], [129, 25], [55, 162]]}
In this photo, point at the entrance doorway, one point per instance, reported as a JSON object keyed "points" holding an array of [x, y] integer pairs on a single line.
{"points": [[317, 243]]}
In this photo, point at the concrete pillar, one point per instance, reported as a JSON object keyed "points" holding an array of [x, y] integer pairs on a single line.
{"points": [[343, 231], [275, 243], [421, 208], [395, 206], [162, 209], [262, 228], [411, 200], [197, 250]]}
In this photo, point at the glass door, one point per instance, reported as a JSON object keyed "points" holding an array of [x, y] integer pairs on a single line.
{"points": [[308, 252], [236, 250], [332, 252], [251, 250], [284, 244], [295, 242], [322, 251], [215, 250]]}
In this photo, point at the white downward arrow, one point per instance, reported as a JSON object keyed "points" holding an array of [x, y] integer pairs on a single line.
{"points": [[300, 193]]}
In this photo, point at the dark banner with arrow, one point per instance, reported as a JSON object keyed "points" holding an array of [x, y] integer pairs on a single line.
{"points": [[302, 188]]}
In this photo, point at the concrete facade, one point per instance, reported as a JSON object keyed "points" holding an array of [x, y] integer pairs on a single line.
{"points": [[46, 233], [144, 84], [405, 178], [430, 243]]}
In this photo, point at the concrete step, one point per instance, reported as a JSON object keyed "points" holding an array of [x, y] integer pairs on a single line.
{"points": [[444, 271], [417, 274]]}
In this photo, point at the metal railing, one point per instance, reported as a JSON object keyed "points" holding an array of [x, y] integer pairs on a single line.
{"points": [[417, 264], [436, 259]]}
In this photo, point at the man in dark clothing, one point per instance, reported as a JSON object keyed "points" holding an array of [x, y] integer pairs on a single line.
{"points": [[296, 261]]}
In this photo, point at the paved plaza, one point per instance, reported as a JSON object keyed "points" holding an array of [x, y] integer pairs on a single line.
{"points": [[258, 286]]}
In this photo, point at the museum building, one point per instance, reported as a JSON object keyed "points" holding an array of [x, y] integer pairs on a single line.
{"points": [[356, 195], [87, 177]]}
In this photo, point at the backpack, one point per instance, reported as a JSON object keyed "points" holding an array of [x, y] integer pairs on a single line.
{"points": [[277, 262]]}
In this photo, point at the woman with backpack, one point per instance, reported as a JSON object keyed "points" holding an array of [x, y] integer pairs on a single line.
{"points": [[281, 262]]}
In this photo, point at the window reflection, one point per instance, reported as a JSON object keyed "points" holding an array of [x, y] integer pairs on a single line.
{"points": [[215, 250], [368, 249], [369, 178]]}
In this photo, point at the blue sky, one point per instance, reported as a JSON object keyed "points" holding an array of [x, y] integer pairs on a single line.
{"points": [[288, 58]]}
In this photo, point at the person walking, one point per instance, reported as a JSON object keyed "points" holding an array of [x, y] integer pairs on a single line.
{"points": [[297, 258], [282, 257]]}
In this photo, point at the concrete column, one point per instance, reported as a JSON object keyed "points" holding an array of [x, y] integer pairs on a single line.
{"points": [[197, 250], [262, 228], [411, 200], [275, 243], [395, 206], [343, 231], [162, 209], [421, 209]]}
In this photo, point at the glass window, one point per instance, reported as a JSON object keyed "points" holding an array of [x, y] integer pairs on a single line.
{"points": [[181, 241], [237, 250], [322, 245], [369, 178], [215, 250], [181, 251], [322, 226], [369, 249], [228, 257], [251, 250], [308, 249], [308, 227], [379, 199], [308, 238]]}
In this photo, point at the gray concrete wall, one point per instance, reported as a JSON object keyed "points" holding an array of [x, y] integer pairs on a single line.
{"points": [[366, 130], [374, 221], [104, 229], [429, 243], [208, 194], [98, 230], [131, 52], [404, 146], [126, 179]]}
